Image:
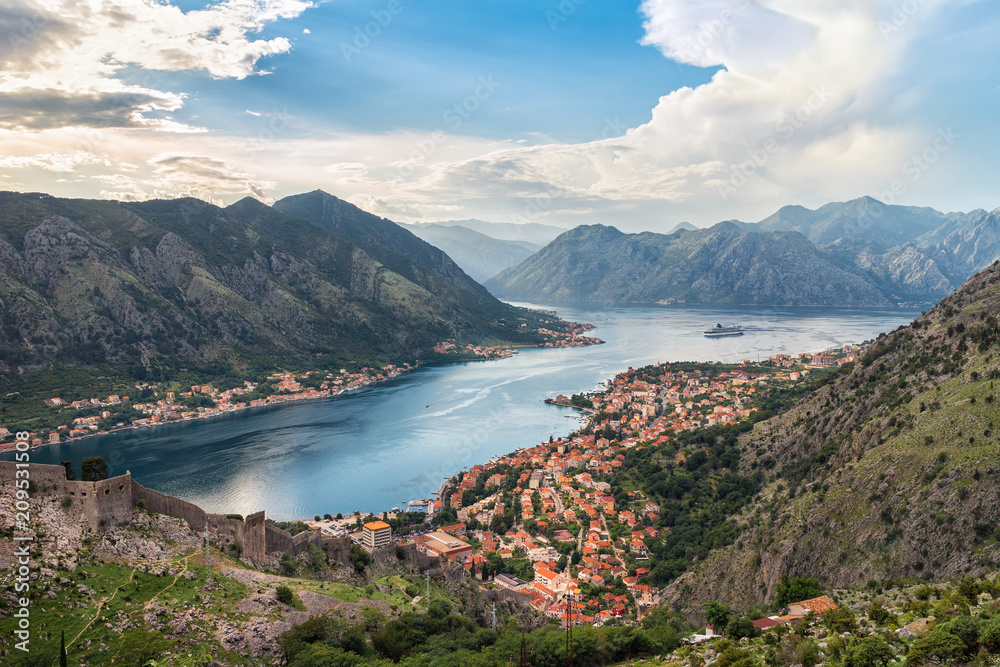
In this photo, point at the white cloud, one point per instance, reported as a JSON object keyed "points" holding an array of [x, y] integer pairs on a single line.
{"points": [[62, 59], [60, 162]]}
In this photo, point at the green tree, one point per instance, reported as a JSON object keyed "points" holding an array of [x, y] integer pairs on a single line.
{"points": [[840, 620], [717, 615], [739, 627], [797, 589], [872, 651], [94, 469], [70, 472]]}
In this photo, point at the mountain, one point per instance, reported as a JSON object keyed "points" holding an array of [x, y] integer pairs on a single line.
{"points": [[162, 284], [682, 227], [722, 264], [481, 256], [534, 233], [901, 254], [889, 471]]}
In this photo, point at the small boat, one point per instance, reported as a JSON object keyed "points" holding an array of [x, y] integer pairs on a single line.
{"points": [[719, 330]]}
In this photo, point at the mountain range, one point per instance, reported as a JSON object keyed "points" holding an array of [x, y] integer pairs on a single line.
{"points": [[860, 253], [164, 283], [480, 255]]}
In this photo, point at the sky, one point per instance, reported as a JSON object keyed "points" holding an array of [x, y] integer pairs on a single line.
{"points": [[639, 114]]}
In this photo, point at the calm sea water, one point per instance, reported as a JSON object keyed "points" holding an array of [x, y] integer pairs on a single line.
{"points": [[385, 445]]}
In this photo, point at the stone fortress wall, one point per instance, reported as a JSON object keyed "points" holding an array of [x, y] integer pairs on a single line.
{"points": [[110, 502]]}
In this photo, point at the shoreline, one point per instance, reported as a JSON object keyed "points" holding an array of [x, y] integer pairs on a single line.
{"points": [[315, 395]]}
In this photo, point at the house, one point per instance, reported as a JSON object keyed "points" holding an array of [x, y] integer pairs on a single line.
{"points": [[817, 606], [765, 623], [697, 639], [509, 582]]}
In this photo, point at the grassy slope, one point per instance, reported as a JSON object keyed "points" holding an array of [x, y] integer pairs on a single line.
{"points": [[890, 471]]}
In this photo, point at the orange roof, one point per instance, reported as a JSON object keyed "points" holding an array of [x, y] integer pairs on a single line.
{"points": [[376, 525], [819, 605]]}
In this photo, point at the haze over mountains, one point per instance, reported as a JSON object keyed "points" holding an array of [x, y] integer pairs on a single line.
{"points": [[481, 256], [170, 282], [860, 253]]}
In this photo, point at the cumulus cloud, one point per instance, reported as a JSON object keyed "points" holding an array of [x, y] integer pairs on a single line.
{"points": [[804, 103], [61, 62]]}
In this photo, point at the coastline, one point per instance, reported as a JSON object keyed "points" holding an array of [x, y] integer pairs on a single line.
{"points": [[314, 395]]}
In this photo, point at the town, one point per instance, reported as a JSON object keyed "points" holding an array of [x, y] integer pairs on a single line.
{"points": [[560, 523]]}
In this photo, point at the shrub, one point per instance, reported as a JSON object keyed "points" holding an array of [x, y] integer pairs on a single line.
{"points": [[65, 502], [840, 620], [870, 651], [285, 594]]}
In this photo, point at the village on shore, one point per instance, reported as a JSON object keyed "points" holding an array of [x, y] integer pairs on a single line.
{"points": [[154, 406], [542, 521]]}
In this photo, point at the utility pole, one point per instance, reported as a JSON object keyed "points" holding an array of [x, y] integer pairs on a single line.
{"points": [[208, 570], [524, 651], [569, 630], [427, 576]]}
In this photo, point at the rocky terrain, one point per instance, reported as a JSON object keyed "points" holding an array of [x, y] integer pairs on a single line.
{"points": [[861, 253]]}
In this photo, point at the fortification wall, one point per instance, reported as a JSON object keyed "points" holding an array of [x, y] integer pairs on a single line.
{"points": [[226, 531], [109, 502], [337, 549], [257, 537], [275, 539], [169, 505], [47, 478], [105, 503], [301, 542]]}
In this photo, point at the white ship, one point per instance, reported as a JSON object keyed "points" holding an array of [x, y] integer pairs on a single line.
{"points": [[719, 330]]}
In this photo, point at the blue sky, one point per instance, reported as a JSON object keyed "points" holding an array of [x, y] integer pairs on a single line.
{"points": [[562, 76], [638, 114]]}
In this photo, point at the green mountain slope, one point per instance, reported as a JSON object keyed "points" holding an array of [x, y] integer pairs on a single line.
{"points": [[892, 470], [161, 284]]}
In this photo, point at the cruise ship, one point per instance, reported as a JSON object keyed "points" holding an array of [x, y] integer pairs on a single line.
{"points": [[719, 330]]}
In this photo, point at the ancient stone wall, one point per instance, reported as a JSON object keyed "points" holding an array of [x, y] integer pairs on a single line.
{"points": [[47, 478], [258, 537], [169, 505], [109, 503], [337, 549], [105, 503]]}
